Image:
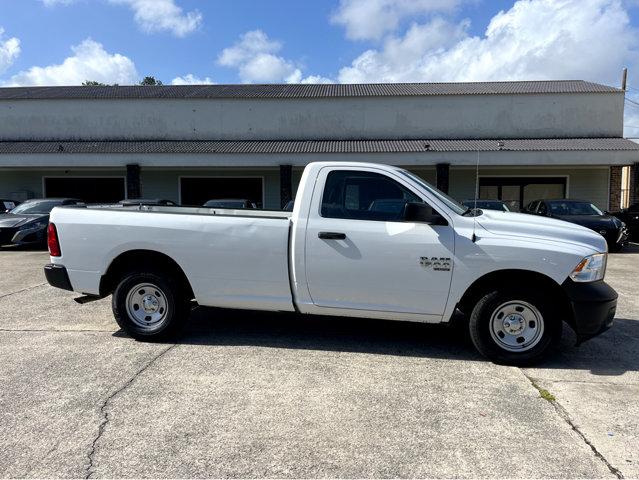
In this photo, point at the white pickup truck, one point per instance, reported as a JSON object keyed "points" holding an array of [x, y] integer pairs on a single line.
{"points": [[363, 240]]}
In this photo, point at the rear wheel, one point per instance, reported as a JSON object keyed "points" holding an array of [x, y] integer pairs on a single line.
{"points": [[515, 327], [149, 306]]}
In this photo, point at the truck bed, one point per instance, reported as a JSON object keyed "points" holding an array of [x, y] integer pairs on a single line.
{"points": [[233, 258]]}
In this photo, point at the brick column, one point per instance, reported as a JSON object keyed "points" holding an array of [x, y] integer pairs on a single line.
{"points": [[614, 202], [634, 183], [133, 184], [442, 176], [286, 184]]}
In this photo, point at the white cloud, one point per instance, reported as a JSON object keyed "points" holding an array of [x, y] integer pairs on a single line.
{"points": [[53, 3], [89, 62], [163, 15], [154, 15], [372, 19], [255, 57], [535, 39], [297, 77], [9, 50], [191, 79]]}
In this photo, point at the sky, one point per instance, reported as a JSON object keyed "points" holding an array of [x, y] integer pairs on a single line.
{"points": [[65, 42]]}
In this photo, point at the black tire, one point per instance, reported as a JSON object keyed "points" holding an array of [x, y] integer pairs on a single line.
{"points": [[544, 332], [172, 306]]}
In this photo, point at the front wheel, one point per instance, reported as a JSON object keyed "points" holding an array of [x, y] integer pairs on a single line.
{"points": [[149, 306], [514, 327]]}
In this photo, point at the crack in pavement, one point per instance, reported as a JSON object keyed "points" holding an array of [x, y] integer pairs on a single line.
{"points": [[565, 416], [89, 470], [23, 290]]}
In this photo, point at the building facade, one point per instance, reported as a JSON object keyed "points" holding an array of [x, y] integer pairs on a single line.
{"points": [[515, 141]]}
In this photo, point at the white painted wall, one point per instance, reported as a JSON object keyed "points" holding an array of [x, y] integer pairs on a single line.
{"points": [[586, 183], [423, 159], [451, 116]]}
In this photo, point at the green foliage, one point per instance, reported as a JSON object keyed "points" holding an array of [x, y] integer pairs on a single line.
{"points": [[150, 81]]}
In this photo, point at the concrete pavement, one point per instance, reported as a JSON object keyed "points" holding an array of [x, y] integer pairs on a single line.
{"points": [[247, 394]]}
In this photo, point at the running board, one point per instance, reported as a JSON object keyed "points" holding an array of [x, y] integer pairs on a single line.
{"points": [[87, 299]]}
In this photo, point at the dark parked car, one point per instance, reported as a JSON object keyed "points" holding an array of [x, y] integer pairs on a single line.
{"points": [[7, 205], [150, 202], [27, 223], [487, 205], [630, 216], [230, 203], [586, 214]]}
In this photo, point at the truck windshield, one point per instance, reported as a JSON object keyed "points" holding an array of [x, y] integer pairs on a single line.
{"points": [[451, 203]]}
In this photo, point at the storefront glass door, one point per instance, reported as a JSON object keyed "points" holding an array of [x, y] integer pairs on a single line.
{"points": [[518, 192]]}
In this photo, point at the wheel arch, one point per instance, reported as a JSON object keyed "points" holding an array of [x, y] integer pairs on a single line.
{"points": [[149, 259], [525, 279]]}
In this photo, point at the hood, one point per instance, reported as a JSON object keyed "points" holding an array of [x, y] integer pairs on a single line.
{"points": [[533, 226], [594, 222], [7, 220]]}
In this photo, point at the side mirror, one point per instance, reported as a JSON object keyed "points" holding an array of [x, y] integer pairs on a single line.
{"points": [[422, 213]]}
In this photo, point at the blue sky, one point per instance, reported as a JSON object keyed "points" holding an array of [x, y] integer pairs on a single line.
{"points": [[309, 35], [57, 42]]}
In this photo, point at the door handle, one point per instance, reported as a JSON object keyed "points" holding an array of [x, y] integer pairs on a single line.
{"points": [[332, 236]]}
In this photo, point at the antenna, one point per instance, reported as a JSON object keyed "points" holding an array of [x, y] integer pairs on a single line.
{"points": [[474, 238]]}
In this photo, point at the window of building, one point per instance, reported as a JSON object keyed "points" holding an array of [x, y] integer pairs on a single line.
{"points": [[196, 191], [517, 192], [87, 189]]}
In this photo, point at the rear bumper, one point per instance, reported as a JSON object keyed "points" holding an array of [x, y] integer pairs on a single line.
{"points": [[57, 276], [593, 307]]}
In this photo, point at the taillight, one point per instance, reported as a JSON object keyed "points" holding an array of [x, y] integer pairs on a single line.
{"points": [[52, 241]]}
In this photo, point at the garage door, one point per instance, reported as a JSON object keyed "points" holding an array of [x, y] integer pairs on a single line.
{"points": [[195, 191], [88, 189]]}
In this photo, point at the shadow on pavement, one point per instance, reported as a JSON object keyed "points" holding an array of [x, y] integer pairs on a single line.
{"points": [[23, 248], [211, 326], [613, 353], [630, 248]]}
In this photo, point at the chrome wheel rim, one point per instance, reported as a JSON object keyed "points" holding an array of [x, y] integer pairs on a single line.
{"points": [[146, 305], [516, 326]]}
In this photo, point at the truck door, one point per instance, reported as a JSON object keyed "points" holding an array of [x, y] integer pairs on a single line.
{"points": [[361, 255]]}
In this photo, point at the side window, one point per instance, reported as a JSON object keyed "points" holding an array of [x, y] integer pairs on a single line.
{"points": [[364, 196], [542, 210], [531, 207]]}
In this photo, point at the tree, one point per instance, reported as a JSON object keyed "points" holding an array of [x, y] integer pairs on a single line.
{"points": [[150, 81], [93, 83]]}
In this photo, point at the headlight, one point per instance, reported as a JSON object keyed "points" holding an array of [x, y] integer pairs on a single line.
{"points": [[591, 268], [34, 225]]}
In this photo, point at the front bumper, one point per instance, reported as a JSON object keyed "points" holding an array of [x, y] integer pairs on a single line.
{"points": [[616, 238], [593, 306], [6, 235], [57, 276]]}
